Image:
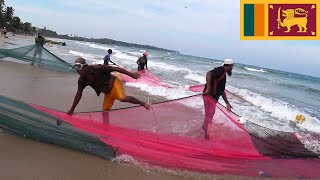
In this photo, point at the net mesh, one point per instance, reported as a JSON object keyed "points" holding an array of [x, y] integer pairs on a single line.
{"points": [[146, 77], [194, 133], [21, 119], [170, 135], [279, 144], [150, 79], [38, 55]]}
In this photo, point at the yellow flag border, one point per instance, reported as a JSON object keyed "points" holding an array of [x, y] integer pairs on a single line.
{"points": [[266, 27]]}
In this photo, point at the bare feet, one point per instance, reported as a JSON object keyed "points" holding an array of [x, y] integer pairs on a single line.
{"points": [[207, 136], [147, 106], [204, 128]]}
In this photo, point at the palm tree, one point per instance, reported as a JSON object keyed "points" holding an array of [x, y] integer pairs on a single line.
{"points": [[27, 27], [8, 14], [16, 22], [33, 29], [2, 5]]}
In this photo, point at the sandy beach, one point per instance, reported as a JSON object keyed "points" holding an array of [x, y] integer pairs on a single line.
{"points": [[27, 159]]}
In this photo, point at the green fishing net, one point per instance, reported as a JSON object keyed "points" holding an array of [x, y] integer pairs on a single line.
{"points": [[37, 55]]}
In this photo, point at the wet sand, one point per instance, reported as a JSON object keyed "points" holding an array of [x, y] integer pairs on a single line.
{"points": [[27, 159]]}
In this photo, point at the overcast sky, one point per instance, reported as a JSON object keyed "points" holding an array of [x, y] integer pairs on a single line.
{"points": [[205, 28]]}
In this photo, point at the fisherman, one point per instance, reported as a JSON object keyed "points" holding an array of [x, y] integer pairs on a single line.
{"points": [[39, 42], [107, 58], [99, 77], [4, 32], [214, 88], [143, 61]]}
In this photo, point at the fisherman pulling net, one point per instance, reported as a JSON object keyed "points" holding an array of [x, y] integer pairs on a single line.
{"points": [[170, 136], [37, 55]]}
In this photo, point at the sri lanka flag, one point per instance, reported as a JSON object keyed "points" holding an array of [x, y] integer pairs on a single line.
{"points": [[279, 19]]}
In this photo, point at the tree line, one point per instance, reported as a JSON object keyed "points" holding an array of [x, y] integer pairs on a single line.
{"points": [[50, 33], [13, 23]]}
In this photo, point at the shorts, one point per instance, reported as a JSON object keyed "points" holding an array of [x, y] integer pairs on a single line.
{"points": [[116, 92], [37, 50]]}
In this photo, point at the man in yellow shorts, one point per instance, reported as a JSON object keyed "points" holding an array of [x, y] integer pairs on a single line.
{"points": [[99, 77]]}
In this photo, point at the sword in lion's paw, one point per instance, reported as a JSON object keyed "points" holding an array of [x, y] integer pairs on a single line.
{"points": [[279, 19]]}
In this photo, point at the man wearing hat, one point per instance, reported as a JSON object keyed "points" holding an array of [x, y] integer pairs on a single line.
{"points": [[4, 31], [99, 77], [39, 42], [143, 61], [214, 87]]}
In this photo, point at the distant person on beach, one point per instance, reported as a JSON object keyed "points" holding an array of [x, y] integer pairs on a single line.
{"points": [[39, 42], [4, 32], [143, 61], [99, 77], [215, 87], [107, 58]]}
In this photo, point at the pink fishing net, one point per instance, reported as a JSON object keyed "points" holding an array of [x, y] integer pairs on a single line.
{"points": [[197, 88], [170, 135], [152, 80], [147, 77]]}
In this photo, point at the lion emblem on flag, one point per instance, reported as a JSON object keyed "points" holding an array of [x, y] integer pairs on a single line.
{"points": [[291, 19]]}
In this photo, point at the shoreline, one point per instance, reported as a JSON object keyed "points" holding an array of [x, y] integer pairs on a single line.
{"points": [[56, 90]]}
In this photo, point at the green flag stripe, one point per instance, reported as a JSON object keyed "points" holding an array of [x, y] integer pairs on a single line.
{"points": [[248, 19]]}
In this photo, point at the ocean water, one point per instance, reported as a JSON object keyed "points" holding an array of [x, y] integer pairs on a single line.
{"points": [[269, 97]]}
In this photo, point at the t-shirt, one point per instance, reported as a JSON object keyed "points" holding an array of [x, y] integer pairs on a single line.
{"points": [[142, 61], [40, 40], [106, 59], [98, 78]]}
